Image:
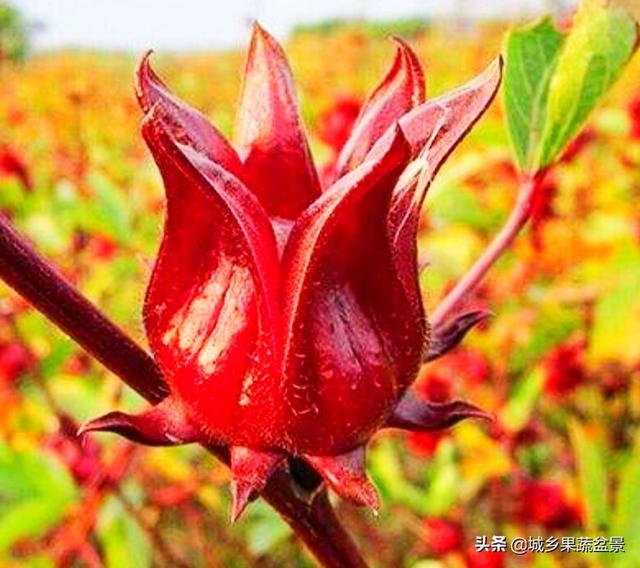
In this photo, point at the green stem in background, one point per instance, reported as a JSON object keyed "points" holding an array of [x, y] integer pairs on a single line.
{"points": [[39, 282], [517, 219]]}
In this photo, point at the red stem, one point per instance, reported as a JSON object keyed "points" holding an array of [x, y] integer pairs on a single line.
{"points": [[39, 282], [315, 523], [42, 285], [517, 219]]}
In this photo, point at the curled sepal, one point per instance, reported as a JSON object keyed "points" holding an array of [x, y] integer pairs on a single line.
{"points": [[268, 132], [401, 89], [419, 415], [165, 424], [449, 334], [433, 130], [187, 125], [250, 470], [462, 106], [346, 474]]}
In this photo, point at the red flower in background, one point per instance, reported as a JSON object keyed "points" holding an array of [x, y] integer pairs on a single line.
{"points": [[80, 455], [434, 385], [471, 365], [336, 123], [634, 116], [102, 247], [441, 536], [334, 128], [287, 317], [542, 209], [13, 164], [15, 360], [565, 367], [545, 504], [485, 559], [424, 444]]}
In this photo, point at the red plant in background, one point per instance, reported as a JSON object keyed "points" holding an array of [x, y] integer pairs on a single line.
{"points": [[542, 209], [80, 455], [485, 559], [336, 123], [634, 117], [334, 127], [544, 503], [434, 385], [15, 360], [12, 164], [100, 247], [287, 318], [565, 367], [424, 444], [470, 364], [441, 536]]}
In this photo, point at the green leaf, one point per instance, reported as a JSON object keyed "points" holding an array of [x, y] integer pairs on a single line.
{"points": [[616, 321], [28, 518], [553, 80], [385, 468], [444, 481], [590, 456], [531, 57], [625, 519], [35, 492], [123, 542], [265, 529], [522, 402], [112, 213], [458, 204], [602, 39]]}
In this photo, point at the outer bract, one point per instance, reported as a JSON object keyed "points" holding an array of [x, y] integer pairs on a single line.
{"points": [[286, 316]]}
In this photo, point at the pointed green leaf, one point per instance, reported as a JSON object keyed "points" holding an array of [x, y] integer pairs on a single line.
{"points": [[590, 456], [112, 213], [35, 493], [625, 519], [616, 326], [602, 39], [523, 400], [554, 80], [531, 57]]}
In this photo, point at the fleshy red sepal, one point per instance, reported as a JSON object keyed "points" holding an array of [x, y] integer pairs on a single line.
{"points": [[250, 471], [186, 124], [449, 334], [418, 415], [401, 89], [346, 475], [269, 134], [165, 424]]}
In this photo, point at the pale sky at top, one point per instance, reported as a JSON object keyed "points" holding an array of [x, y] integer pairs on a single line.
{"points": [[206, 24]]}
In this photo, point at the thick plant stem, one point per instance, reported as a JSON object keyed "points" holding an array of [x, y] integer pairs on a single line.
{"points": [[39, 282], [517, 219], [316, 524]]}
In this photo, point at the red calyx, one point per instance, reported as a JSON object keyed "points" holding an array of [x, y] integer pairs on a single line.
{"points": [[286, 318]]}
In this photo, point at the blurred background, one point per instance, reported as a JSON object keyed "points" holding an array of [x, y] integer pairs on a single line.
{"points": [[558, 364]]}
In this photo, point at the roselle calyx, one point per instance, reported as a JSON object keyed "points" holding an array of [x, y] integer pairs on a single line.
{"points": [[286, 316]]}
